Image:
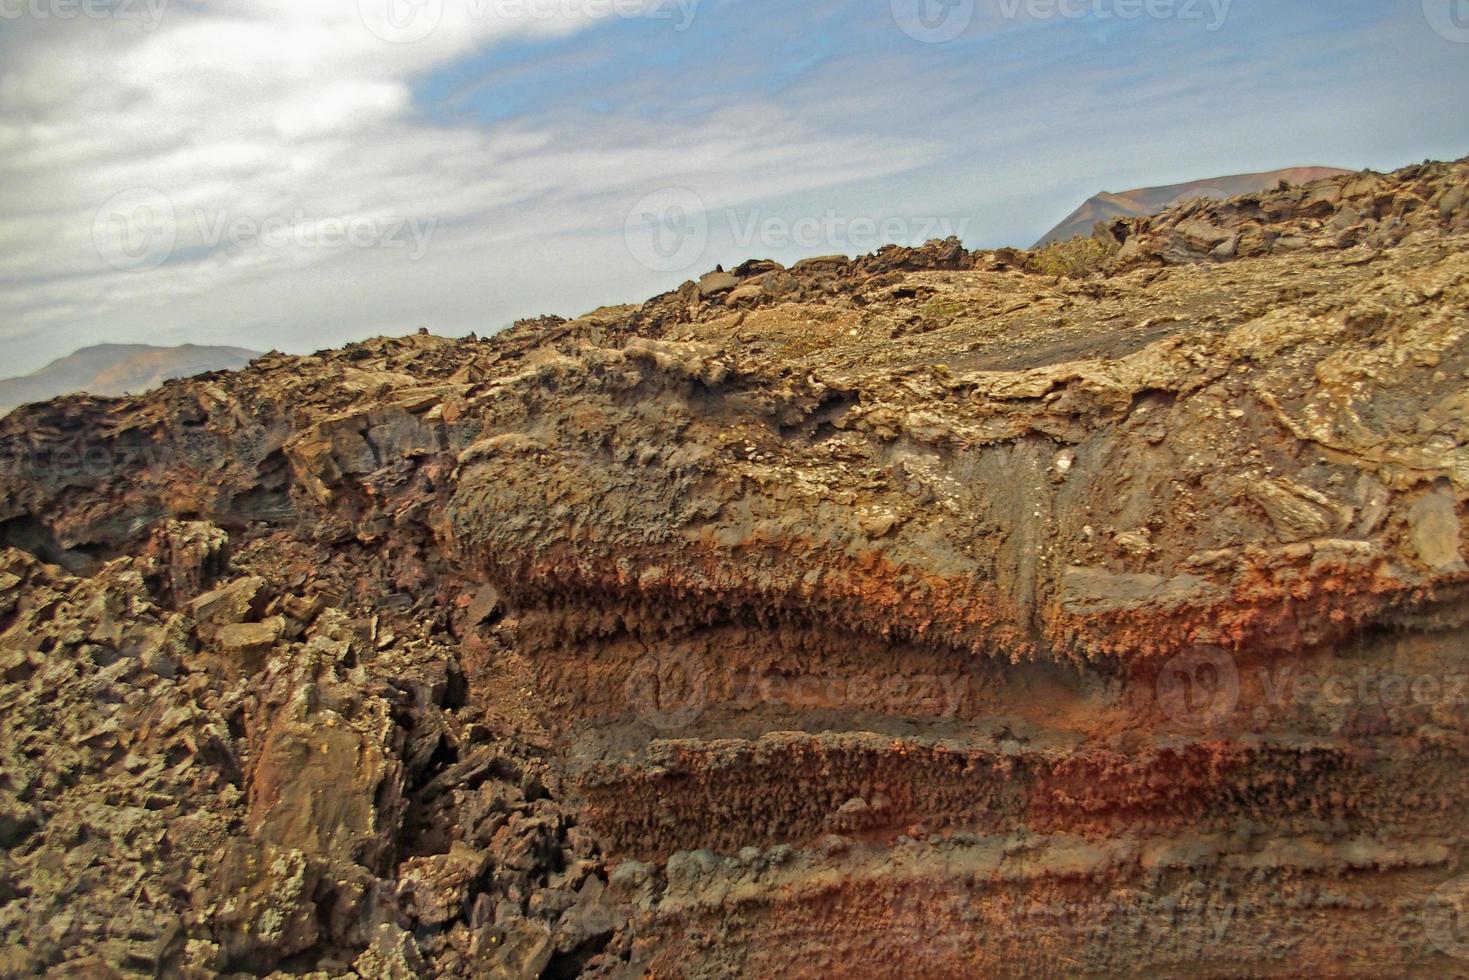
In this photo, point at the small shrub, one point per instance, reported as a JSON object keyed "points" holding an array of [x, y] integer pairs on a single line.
{"points": [[1074, 257], [941, 308]]}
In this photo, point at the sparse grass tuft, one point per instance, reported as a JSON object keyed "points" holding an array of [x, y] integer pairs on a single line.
{"points": [[1074, 257], [941, 308]]}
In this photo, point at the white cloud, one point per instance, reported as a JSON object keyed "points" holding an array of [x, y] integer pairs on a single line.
{"points": [[296, 117], [277, 129]]}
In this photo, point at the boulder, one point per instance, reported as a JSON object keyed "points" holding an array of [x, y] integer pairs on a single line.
{"points": [[231, 603]]}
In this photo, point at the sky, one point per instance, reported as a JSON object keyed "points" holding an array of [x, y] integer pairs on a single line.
{"points": [[297, 174]]}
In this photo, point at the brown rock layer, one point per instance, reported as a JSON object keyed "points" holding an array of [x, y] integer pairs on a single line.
{"points": [[919, 609]]}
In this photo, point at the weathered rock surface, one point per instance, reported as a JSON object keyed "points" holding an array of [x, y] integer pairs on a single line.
{"points": [[917, 610]]}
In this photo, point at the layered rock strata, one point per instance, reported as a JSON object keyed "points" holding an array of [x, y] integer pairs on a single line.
{"points": [[920, 610]]}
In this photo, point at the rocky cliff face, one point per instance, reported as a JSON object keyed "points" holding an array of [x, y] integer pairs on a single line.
{"points": [[1142, 202], [118, 369], [918, 614]]}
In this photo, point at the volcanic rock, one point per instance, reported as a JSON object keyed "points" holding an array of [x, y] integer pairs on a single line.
{"points": [[932, 612]]}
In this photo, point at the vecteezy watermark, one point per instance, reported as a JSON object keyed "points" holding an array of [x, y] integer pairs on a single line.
{"points": [[672, 690], [933, 21], [1364, 689], [148, 13], [141, 229], [668, 231], [938, 21], [1213, 12], [669, 692], [401, 21], [844, 233], [410, 21], [136, 229], [1199, 687], [300, 230], [83, 461], [903, 695], [1448, 18], [1446, 917]]}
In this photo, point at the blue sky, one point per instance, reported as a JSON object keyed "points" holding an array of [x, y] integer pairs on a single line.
{"points": [[181, 172]]}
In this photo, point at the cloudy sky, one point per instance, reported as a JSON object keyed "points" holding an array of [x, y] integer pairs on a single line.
{"points": [[294, 174]]}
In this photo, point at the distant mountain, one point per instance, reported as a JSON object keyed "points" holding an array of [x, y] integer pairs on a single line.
{"points": [[118, 369], [1151, 200]]}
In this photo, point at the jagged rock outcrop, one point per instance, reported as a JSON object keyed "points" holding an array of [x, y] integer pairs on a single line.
{"points": [[919, 609], [1146, 201]]}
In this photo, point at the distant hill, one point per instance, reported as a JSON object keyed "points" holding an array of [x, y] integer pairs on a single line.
{"points": [[1151, 200], [118, 369]]}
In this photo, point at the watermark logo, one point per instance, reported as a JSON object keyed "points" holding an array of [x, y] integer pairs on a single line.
{"points": [[135, 230], [1447, 918], [681, 12], [401, 21], [1213, 13], [82, 461], [1199, 688], [1449, 19], [218, 229], [1380, 691], [141, 229], [837, 232], [902, 695], [939, 21], [933, 21], [148, 13], [668, 230], [410, 21], [670, 691]]}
